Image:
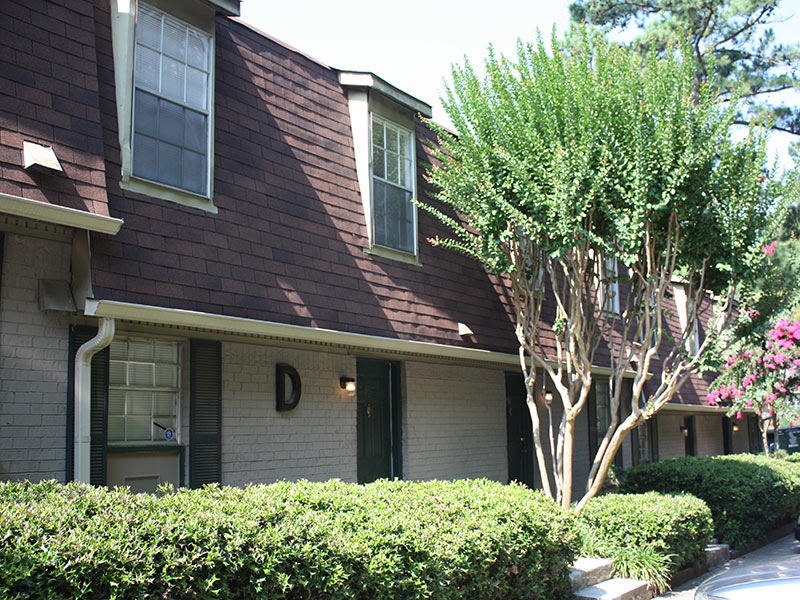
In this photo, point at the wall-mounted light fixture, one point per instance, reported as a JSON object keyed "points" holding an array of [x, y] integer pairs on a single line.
{"points": [[548, 397], [735, 428], [685, 431], [348, 384]]}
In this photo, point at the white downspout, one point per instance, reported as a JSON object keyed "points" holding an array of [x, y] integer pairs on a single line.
{"points": [[83, 397]]}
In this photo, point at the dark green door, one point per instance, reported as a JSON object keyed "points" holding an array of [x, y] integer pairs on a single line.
{"points": [[378, 419], [519, 427]]}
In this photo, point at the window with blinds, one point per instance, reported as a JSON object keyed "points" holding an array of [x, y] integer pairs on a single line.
{"points": [[143, 391], [171, 102], [393, 178]]}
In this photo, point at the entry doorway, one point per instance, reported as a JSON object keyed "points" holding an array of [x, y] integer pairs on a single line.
{"points": [[519, 432], [378, 424]]}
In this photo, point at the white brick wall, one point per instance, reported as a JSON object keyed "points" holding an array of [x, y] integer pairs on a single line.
{"points": [[671, 443], [316, 440], [33, 362], [454, 423], [709, 435]]}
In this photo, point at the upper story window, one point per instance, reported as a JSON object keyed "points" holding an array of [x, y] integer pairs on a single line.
{"points": [[610, 285], [164, 82], [171, 102], [393, 179], [382, 119]]}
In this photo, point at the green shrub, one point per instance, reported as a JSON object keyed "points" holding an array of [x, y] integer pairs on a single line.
{"points": [[464, 539], [748, 495], [649, 536], [793, 457]]}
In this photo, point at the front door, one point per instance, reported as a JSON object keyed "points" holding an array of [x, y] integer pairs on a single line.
{"points": [[378, 419], [520, 432]]}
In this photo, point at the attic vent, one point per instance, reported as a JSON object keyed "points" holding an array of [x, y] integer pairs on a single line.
{"points": [[40, 158]]}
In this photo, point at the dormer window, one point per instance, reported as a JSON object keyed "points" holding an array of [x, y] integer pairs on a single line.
{"points": [[393, 178], [164, 83], [382, 119]]}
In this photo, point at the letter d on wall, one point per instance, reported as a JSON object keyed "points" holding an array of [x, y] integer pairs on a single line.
{"points": [[282, 403]]}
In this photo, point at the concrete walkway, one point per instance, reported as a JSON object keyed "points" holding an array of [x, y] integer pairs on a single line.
{"points": [[780, 549]]}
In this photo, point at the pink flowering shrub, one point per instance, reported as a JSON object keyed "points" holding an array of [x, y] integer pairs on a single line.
{"points": [[763, 377]]}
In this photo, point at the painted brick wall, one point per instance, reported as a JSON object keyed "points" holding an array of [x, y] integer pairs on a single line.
{"points": [[316, 440], [671, 443], [454, 423], [709, 435], [33, 362]]}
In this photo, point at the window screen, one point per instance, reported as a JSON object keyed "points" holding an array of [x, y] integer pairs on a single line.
{"points": [[171, 102], [393, 186], [144, 390]]}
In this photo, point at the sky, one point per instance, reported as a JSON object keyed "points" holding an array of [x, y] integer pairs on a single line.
{"points": [[413, 43]]}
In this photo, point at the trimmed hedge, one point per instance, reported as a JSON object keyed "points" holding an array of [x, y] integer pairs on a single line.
{"points": [[463, 539], [748, 495], [676, 527]]}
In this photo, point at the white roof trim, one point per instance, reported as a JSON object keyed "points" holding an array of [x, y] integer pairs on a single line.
{"points": [[369, 80], [58, 215], [672, 407], [252, 327]]}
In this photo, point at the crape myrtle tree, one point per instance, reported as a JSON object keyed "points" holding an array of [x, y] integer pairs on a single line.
{"points": [[562, 165], [760, 370]]}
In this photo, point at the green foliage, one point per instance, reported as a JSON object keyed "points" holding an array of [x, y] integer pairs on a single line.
{"points": [[465, 539], [735, 49], [650, 536], [604, 149], [748, 495]]}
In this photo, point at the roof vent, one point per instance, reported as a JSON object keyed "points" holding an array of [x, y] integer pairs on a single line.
{"points": [[40, 158]]}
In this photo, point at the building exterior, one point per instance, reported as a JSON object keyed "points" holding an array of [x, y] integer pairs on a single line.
{"points": [[218, 245]]}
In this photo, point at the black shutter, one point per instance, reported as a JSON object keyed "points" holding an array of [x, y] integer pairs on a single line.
{"points": [[205, 413], [591, 416], [78, 336], [653, 438]]}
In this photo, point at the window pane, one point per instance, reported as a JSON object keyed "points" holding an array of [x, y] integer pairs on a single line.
{"points": [[377, 134], [118, 372], [116, 429], [165, 404], [170, 123], [196, 88], [169, 164], [405, 173], [116, 402], [394, 217], [139, 429], [166, 375], [145, 157], [379, 163], [140, 374], [198, 51], [405, 145], [147, 67], [392, 170], [145, 117], [140, 403], [175, 39], [119, 350], [148, 28], [391, 138], [194, 172], [166, 352], [173, 74], [140, 350], [196, 135]]}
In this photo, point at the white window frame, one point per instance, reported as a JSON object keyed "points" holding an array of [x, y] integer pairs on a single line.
{"points": [[178, 390], [609, 289], [373, 117], [200, 17], [368, 94]]}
